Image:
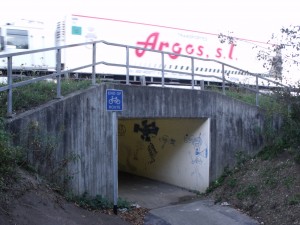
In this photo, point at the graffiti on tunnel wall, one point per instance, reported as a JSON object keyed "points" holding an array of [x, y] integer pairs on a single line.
{"points": [[200, 148], [166, 140], [175, 151], [148, 131], [199, 155]]}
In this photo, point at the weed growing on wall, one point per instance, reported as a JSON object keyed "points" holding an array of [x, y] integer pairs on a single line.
{"points": [[220, 181], [241, 158], [42, 156], [9, 156]]}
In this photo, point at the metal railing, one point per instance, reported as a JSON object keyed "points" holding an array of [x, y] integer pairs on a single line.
{"points": [[58, 73]]}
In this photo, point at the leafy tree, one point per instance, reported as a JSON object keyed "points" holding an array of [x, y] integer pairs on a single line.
{"points": [[285, 48], [280, 58]]}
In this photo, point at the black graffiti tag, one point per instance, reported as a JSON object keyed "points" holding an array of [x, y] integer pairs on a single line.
{"points": [[146, 130], [152, 153]]}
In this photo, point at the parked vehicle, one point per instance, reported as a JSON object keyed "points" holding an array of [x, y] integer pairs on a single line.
{"points": [[73, 29], [242, 53]]}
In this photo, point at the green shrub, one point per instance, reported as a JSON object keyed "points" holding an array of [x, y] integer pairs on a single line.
{"points": [[294, 200], [9, 155], [248, 192], [232, 182], [220, 181], [97, 202], [288, 136]]}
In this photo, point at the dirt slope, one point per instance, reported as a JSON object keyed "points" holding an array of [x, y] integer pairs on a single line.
{"points": [[32, 202], [267, 190]]}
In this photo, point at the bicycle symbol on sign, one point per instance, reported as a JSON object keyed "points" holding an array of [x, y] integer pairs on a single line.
{"points": [[114, 100]]}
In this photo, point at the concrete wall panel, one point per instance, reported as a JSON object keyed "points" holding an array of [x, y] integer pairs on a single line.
{"points": [[80, 125]]}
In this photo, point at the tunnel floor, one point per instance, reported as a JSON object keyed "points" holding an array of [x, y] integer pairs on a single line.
{"points": [[149, 193]]}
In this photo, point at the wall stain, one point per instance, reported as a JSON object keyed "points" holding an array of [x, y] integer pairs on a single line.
{"points": [[121, 130]]}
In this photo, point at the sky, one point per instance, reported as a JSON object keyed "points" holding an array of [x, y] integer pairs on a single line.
{"points": [[255, 19]]}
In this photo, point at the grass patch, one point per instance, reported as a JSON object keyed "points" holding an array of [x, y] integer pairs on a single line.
{"points": [[244, 95], [289, 181], [33, 95], [295, 200], [232, 182], [270, 152], [220, 181], [249, 191], [97, 202]]}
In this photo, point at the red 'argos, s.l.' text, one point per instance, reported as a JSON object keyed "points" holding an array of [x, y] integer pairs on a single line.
{"points": [[152, 42]]}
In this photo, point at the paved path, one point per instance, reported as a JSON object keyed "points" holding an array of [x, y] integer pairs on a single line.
{"points": [[149, 193], [171, 205], [201, 212]]}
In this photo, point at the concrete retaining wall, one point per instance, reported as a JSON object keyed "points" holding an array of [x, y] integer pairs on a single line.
{"points": [[79, 125]]}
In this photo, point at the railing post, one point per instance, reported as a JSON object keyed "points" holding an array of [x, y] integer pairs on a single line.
{"points": [[202, 84], [257, 92], [127, 65], [223, 79], [9, 91], [162, 69], [193, 74], [289, 104], [58, 71], [94, 66]]}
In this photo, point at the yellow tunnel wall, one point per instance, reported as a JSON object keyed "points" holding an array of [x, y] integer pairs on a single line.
{"points": [[175, 151]]}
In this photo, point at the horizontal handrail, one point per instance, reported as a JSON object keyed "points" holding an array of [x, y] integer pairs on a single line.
{"points": [[57, 74]]}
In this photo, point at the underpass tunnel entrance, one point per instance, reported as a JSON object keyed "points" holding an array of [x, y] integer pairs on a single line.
{"points": [[175, 151]]}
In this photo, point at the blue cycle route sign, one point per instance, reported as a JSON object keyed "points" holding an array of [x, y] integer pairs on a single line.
{"points": [[114, 100]]}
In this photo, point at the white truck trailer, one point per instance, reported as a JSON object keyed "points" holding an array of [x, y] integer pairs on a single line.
{"points": [[24, 35], [73, 29]]}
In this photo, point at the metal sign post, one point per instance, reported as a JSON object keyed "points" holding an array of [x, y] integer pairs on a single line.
{"points": [[114, 102]]}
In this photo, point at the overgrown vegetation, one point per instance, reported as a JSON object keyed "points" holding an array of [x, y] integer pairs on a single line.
{"points": [[283, 103], [29, 96], [289, 136], [97, 202], [41, 156], [266, 186], [9, 157], [267, 190], [41, 146], [38, 154]]}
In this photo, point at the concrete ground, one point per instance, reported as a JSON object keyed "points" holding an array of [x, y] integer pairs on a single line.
{"points": [[171, 205], [149, 193]]}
